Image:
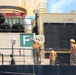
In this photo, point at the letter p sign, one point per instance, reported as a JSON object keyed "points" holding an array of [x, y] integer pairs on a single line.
{"points": [[24, 41]]}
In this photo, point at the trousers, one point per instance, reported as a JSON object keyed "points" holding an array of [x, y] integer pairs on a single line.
{"points": [[36, 56], [73, 58]]}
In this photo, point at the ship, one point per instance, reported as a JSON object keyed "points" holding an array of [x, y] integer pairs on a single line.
{"points": [[54, 29]]}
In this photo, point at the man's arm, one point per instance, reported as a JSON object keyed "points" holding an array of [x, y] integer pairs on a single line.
{"points": [[50, 55], [56, 54], [30, 38]]}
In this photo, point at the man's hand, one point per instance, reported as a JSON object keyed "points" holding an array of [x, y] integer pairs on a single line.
{"points": [[27, 36]]}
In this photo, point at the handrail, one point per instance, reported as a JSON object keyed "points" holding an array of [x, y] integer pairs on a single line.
{"points": [[26, 57]]}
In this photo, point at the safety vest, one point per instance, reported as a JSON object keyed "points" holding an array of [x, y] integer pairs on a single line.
{"points": [[53, 55], [36, 45]]}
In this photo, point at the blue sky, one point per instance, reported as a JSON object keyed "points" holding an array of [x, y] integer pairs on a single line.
{"points": [[61, 6]]}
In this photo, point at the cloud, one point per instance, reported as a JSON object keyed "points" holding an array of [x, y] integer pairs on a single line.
{"points": [[59, 5]]}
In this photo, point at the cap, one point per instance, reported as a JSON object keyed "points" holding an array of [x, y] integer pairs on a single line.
{"points": [[38, 38], [50, 48], [72, 40]]}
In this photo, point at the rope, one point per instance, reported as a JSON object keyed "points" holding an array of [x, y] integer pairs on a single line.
{"points": [[16, 73]]}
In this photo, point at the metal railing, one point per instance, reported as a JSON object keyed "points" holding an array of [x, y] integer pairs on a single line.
{"points": [[23, 56], [20, 57]]}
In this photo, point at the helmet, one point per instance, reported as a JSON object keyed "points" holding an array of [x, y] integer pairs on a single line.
{"points": [[50, 48], [38, 38], [72, 40]]}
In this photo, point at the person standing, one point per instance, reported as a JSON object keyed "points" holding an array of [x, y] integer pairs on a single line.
{"points": [[36, 50], [72, 52], [52, 56]]}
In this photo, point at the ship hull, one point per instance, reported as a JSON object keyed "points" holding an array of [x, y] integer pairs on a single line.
{"points": [[37, 70]]}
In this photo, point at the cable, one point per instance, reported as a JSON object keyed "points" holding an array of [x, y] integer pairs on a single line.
{"points": [[16, 73]]}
